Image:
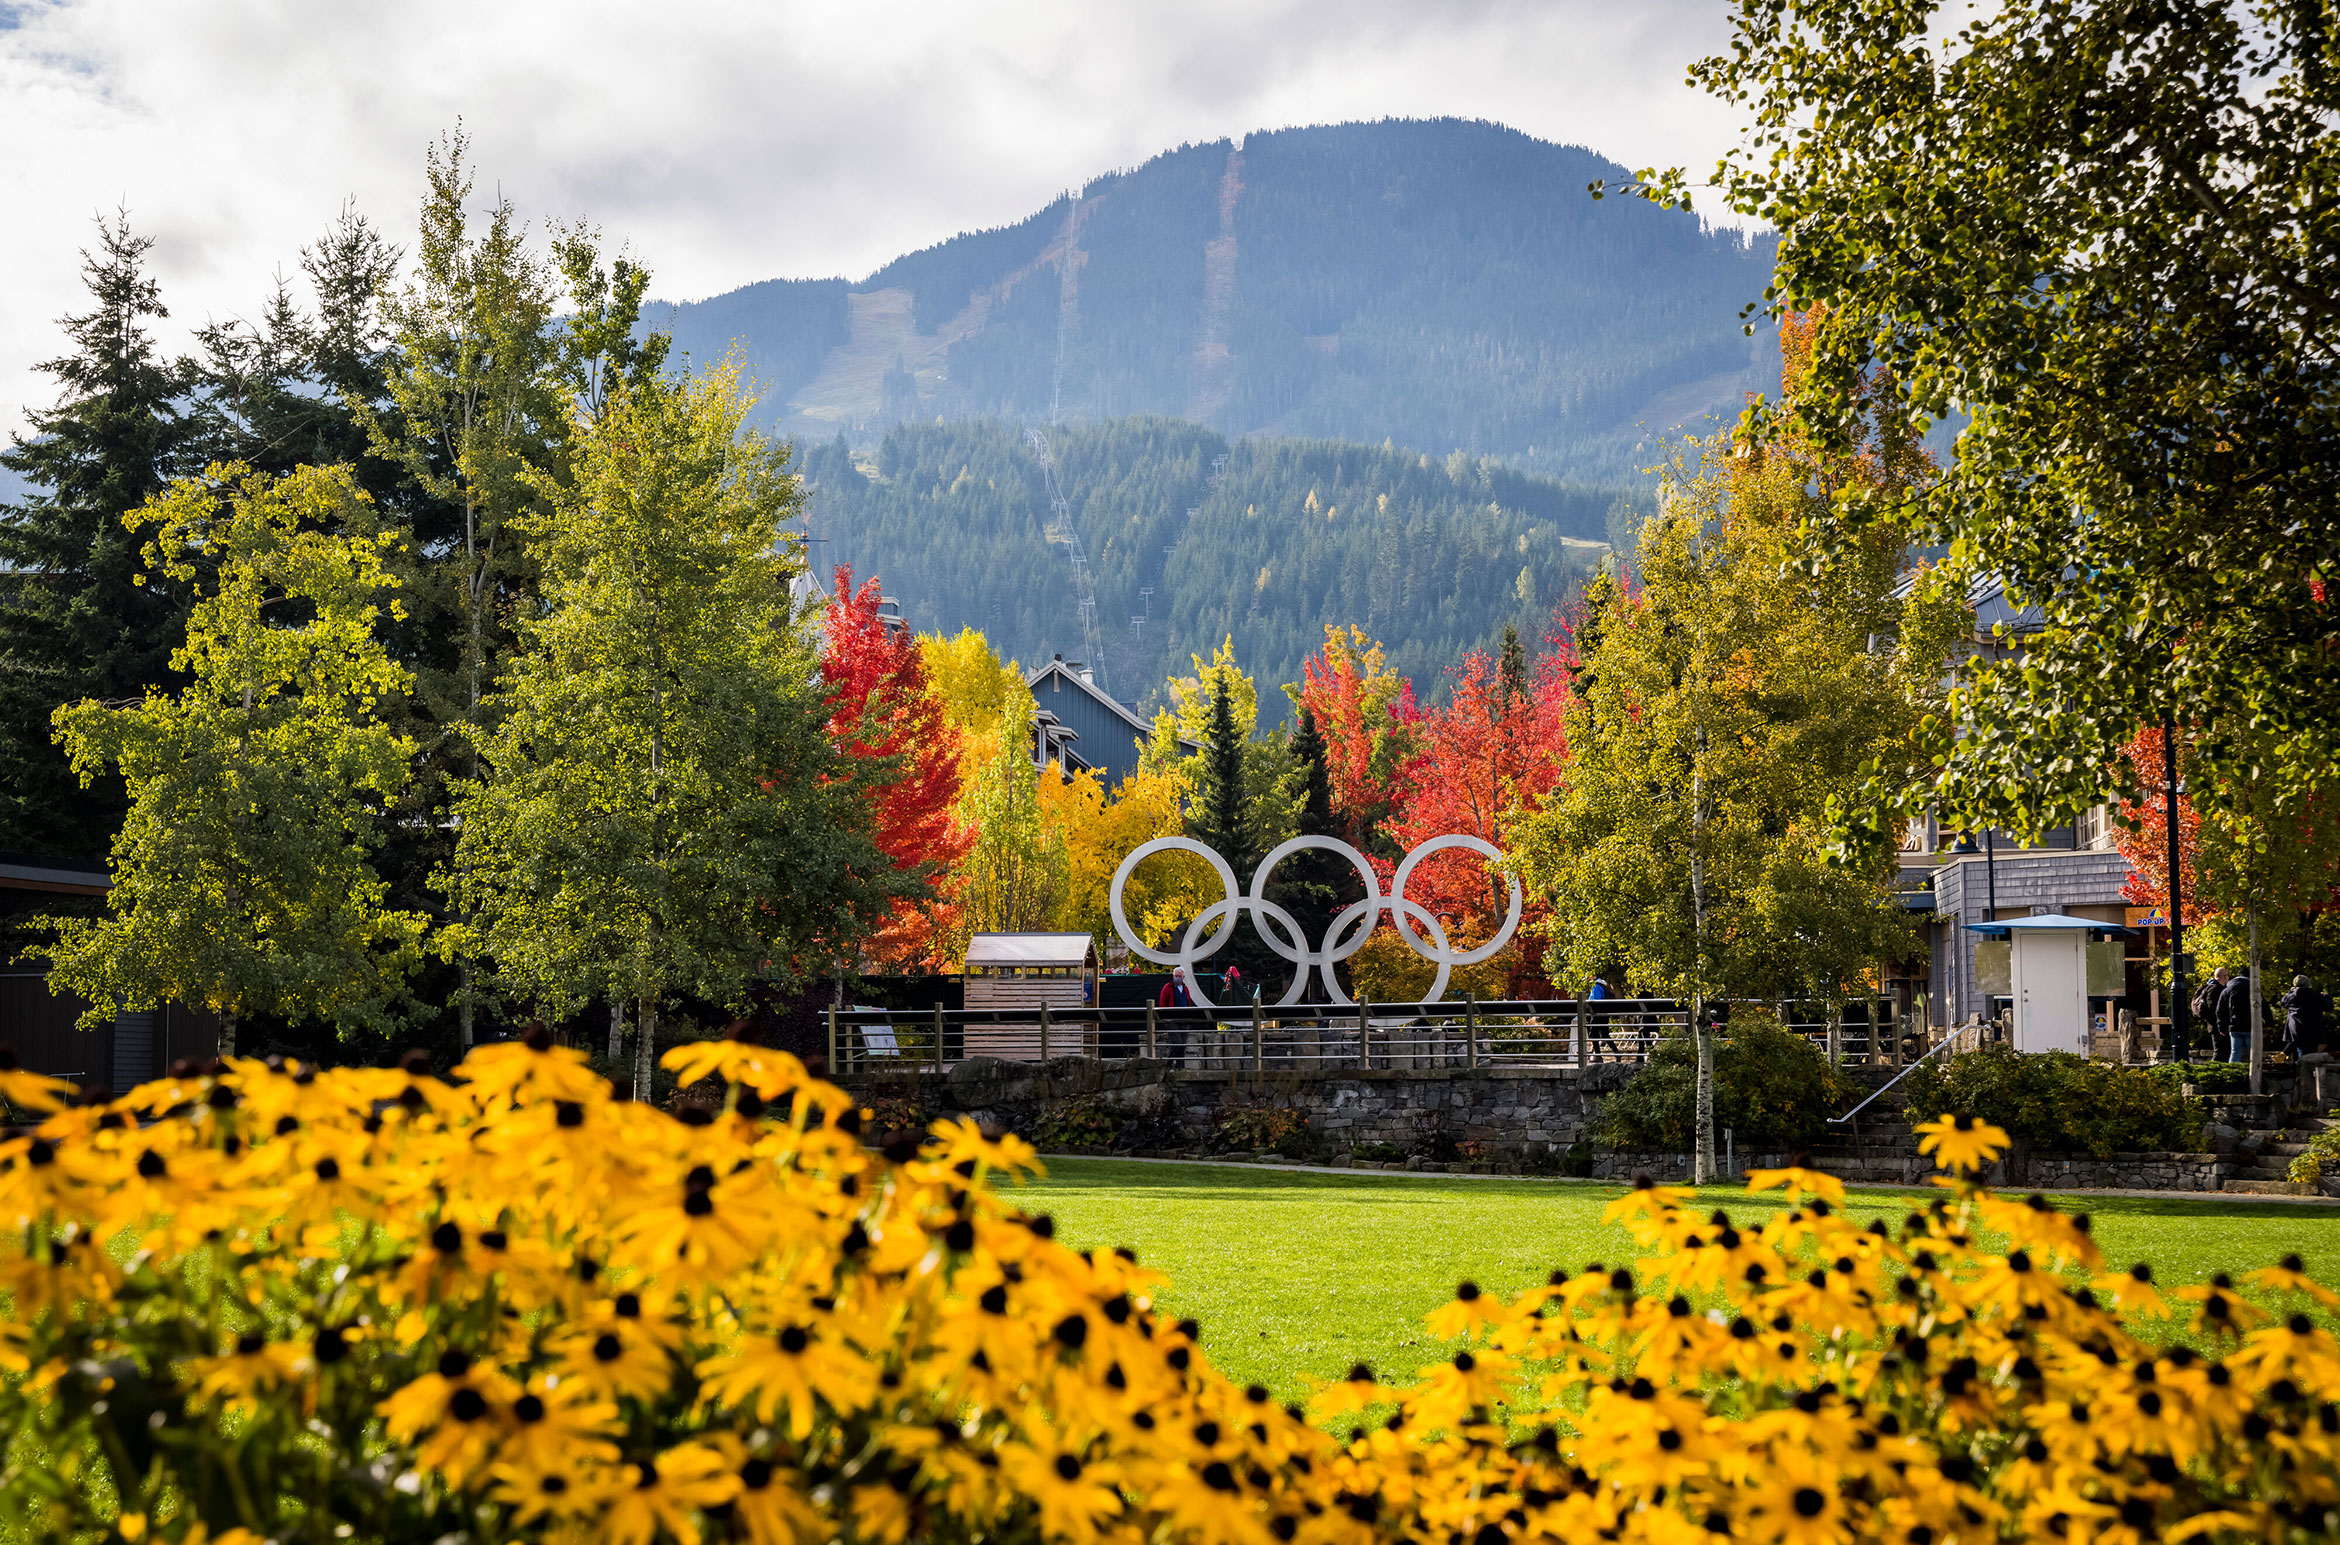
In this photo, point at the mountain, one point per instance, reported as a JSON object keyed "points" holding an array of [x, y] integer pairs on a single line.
{"points": [[1443, 285], [1190, 536]]}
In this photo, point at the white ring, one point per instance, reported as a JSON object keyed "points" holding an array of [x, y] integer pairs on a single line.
{"points": [[1343, 936]]}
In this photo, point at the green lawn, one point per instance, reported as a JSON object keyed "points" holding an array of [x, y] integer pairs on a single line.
{"points": [[1295, 1276]]}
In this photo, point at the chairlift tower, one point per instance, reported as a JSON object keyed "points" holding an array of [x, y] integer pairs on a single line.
{"points": [[1062, 532]]}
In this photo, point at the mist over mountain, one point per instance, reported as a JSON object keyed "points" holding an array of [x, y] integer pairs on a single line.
{"points": [[1442, 285], [1189, 537]]}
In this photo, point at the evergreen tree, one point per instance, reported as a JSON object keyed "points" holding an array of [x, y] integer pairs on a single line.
{"points": [[1222, 818], [75, 620], [1511, 672], [277, 395], [1314, 884]]}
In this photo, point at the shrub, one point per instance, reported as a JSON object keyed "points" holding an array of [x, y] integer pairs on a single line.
{"points": [[1252, 1127], [377, 1306], [1081, 1121], [2208, 1077], [2059, 1101], [1772, 1089], [2323, 1153]]}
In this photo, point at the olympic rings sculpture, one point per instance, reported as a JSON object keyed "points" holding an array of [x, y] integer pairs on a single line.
{"points": [[1342, 938]]}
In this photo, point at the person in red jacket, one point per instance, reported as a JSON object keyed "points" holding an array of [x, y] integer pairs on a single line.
{"points": [[1175, 994]]}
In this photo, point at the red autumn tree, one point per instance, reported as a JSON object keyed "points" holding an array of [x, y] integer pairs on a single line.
{"points": [[1366, 714], [1494, 750], [882, 708], [2142, 835]]}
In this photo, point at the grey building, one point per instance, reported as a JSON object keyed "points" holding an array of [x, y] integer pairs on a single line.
{"points": [[1079, 726], [1961, 878]]}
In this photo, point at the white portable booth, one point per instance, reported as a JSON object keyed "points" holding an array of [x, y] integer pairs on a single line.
{"points": [[1024, 971], [2049, 977]]}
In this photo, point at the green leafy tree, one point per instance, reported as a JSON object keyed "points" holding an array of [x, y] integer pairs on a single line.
{"points": [[658, 811], [1718, 711], [1016, 873], [242, 877], [75, 620], [474, 410], [2102, 234]]}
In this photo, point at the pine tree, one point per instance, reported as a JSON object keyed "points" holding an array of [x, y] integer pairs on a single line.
{"points": [[1314, 884], [1222, 819], [74, 620]]}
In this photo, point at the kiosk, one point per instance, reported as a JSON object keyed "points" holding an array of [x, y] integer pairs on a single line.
{"points": [[1024, 971], [2048, 977]]}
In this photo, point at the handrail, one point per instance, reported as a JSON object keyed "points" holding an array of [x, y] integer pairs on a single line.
{"points": [[1895, 1079]]}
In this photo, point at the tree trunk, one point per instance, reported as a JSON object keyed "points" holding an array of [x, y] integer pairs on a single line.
{"points": [[227, 1034], [645, 1049], [617, 1028], [1702, 1170], [1702, 1165], [463, 1011]]}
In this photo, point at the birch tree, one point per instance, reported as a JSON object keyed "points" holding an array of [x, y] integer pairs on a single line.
{"points": [[658, 811], [243, 876], [1723, 708]]}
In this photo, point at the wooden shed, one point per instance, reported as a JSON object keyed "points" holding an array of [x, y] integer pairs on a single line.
{"points": [[1024, 971]]}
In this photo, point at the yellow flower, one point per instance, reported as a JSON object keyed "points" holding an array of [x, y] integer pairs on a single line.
{"points": [[1961, 1143], [789, 1372], [1077, 1493], [31, 1091], [669, 1492]]}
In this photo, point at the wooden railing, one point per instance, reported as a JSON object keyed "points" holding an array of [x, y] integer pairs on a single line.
{"points": [[1532, 1033]]}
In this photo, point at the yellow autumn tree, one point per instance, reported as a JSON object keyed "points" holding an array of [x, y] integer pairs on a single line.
{"points": [[1098, 831]]}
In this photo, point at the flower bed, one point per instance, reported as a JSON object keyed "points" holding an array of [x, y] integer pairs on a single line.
{"points": [[373, 1305]]}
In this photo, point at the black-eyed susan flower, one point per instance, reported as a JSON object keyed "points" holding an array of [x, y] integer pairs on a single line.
{"points": [[1960, 1143]]}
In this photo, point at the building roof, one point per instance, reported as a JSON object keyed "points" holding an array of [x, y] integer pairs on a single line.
{"points": [[1029, 949], [1073, 675], [56, 876], [2049, 922]]}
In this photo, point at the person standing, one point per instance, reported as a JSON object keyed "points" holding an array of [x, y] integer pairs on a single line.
{"points": [[2234, 1015], [1175, 994], [2307, 1018], [2205, 1010]]}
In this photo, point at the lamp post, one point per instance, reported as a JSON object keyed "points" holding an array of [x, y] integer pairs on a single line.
{"points": [[2180, 1030]]}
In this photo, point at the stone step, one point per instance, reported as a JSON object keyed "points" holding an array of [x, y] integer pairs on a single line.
{"points": [[2269, 1188]]}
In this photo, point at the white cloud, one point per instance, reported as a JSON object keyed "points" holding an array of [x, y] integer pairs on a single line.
{"points": [[732, 140]]}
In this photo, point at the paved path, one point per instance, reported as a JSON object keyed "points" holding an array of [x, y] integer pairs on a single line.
{"points": [[1613, 1185]]}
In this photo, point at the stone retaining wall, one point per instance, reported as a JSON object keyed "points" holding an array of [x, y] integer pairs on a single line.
{"points": [[1533, 1115], [1523, 1111], [2115, 1172]]}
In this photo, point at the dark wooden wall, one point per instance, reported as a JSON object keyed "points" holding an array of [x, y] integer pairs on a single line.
{"points": [[39, 1025]]}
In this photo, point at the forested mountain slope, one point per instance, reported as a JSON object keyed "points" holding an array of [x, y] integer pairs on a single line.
{"points": [[1269, 544], [1440, 284]]}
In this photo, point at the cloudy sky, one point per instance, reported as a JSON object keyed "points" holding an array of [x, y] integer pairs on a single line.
{"points": [[731, 140]]}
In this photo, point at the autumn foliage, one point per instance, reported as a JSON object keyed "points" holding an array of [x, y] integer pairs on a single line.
{"points": [[884, 710]]}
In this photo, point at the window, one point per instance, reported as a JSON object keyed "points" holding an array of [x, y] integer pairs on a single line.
{"points": [[2091, 829]]}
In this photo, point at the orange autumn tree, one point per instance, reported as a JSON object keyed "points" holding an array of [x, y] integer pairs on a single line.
{"points": [[884, 710]]}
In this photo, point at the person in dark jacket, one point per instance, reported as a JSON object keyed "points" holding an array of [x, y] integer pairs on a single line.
{"points": [[2307, 1017], [2234, 1016]]}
